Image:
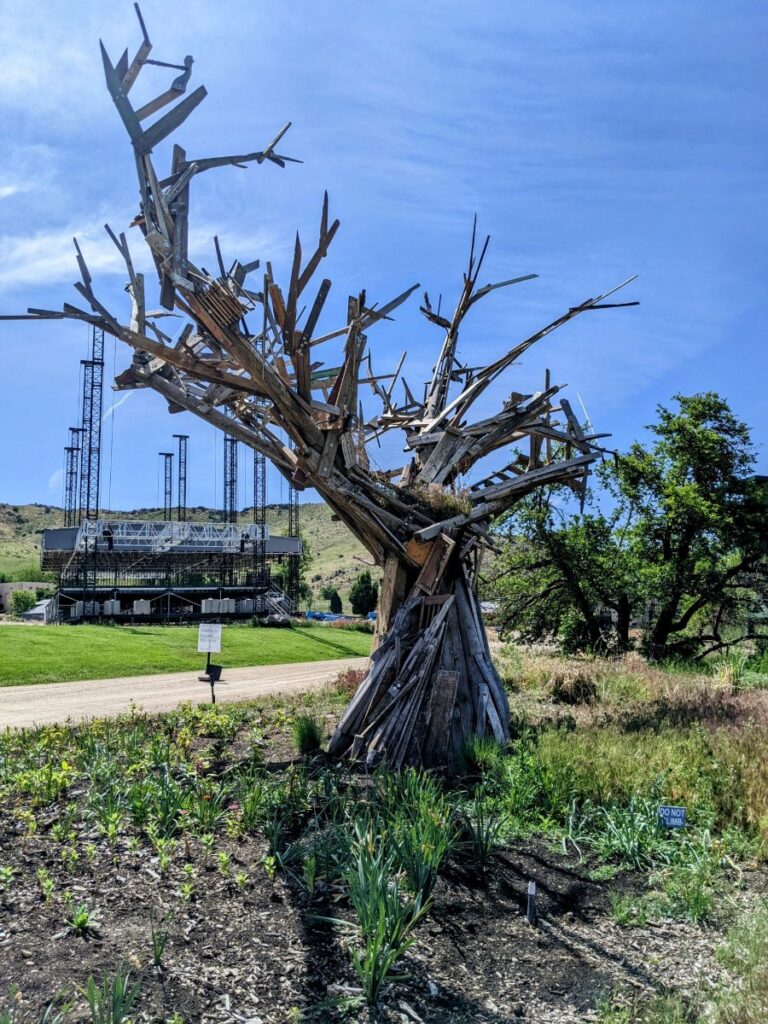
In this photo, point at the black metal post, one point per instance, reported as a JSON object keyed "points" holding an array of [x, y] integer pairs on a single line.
{"points": [[531, 914], [294, 564]]}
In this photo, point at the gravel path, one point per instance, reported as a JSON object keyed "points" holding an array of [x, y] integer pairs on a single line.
{"points": [[97, 698]]}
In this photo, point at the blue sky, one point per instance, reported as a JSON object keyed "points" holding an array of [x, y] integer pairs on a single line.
{"points": [[593, 140]]}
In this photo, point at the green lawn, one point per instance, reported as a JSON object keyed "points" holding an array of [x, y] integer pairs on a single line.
{"points": [[53, 654]]}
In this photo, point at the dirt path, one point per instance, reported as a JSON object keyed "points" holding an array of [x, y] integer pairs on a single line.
{"points": [[96, 698]]}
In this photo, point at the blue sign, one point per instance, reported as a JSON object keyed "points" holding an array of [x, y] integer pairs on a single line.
{"points": [[672, 817]]}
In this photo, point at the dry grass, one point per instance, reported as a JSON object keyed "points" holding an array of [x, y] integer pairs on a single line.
{"points": [[745, 953], [632, 727], [573, 687]]}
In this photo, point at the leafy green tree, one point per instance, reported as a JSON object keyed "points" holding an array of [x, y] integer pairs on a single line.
{"points": [[364, 594], [683, 545], [331, 595], [565, 577]]}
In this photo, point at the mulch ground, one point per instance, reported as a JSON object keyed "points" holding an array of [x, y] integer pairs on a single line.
{"points": [[258, 954]]}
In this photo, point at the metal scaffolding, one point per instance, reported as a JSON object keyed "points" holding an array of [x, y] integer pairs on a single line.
{"points": [[167, 485], [181, 494]]}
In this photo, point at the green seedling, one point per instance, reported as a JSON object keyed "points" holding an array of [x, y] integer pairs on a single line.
{"points": [[82, 921], [46, 884]]}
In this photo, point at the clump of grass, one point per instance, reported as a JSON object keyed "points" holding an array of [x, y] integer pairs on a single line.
{"points": [[50, 1014], [667, 1008], [731, 672], [307, 735], [445, 500], [421, 829], [111, 1001], [631, 833], [482, 829], [385, 920], [159, 936], [480, 757], [573, 688]]}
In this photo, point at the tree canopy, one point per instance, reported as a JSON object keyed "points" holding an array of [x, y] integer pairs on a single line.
{"points": [[363, 594], [682, 549]]}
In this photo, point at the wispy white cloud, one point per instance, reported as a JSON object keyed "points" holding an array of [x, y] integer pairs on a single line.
{"points": [[55, 481], [48, 257], [116, 405], [11, 190]]}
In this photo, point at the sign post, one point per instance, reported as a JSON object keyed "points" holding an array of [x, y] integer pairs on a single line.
{"points": [[208, 641], [530, 913]]}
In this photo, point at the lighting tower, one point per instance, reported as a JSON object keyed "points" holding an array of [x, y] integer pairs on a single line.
{"points": [[71, 477], [167, 485], [230, 479], [181, 494]]}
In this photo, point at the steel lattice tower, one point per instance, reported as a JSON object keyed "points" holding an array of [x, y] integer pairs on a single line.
{"points": [[167, 485], [260, 518], [90, 448], [181, 494], [71, 477], [230, 479], [260, 567]]}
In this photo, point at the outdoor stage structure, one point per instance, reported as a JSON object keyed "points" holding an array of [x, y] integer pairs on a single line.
{"points": [[170, 568], [431, 684]]}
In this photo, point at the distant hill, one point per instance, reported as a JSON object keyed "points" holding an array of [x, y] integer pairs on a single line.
{"points": [[333, 549]]}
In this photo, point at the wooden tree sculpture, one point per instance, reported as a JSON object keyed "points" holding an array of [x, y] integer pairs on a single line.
{"points": [[431, 682]]}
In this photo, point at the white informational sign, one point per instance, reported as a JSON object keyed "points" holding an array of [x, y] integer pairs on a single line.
{"points": [[209, 637]]}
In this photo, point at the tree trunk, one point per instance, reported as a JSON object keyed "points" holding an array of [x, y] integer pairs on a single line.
{"points": [[431, 684], [658, 637], [623, 616]]}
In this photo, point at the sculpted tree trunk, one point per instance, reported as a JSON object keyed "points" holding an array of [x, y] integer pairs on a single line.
{"points": [[246, 361]]}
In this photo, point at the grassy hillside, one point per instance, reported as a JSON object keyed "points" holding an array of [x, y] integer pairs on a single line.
{"points": [[33, 654], [333, 549]]}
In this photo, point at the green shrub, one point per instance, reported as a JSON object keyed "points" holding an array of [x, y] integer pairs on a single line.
{"points": [[22, 601], [363, 594]]}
